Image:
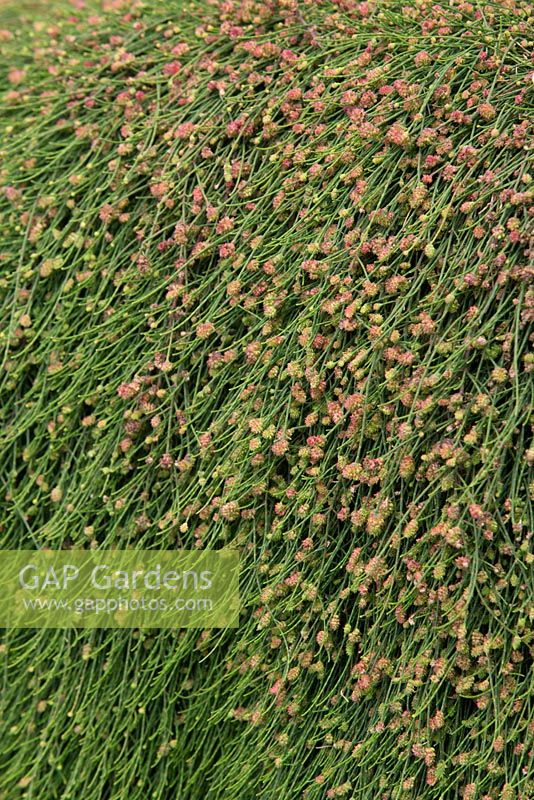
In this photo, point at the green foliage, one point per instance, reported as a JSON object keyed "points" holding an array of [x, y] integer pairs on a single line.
{"points": [[265, 282]]}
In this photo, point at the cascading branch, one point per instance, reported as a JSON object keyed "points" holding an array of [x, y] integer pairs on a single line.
{"points": [[266, 283]]}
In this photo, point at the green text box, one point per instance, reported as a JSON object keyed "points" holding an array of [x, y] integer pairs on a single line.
{"points": [[119, 588]]}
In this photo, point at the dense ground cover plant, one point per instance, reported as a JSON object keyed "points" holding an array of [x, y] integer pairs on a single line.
{"points": [[266, 283]]}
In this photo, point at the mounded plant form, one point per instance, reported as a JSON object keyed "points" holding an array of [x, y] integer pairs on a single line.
{"points": [[265, 277]]}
